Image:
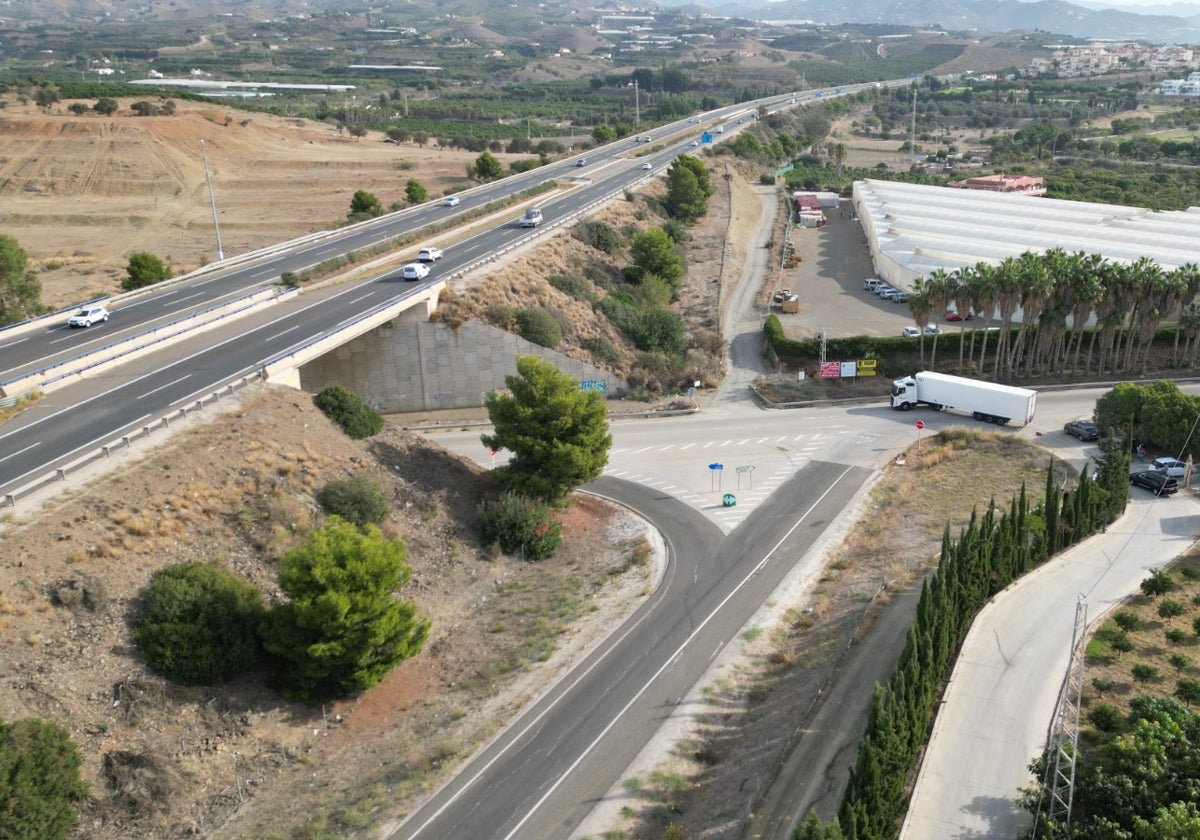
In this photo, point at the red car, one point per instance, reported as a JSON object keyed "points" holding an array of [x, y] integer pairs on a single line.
{"points": [[951, 315]]}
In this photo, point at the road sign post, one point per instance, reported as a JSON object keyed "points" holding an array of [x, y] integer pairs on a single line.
{"points": [[920, 426], [715, 469], [749, 470]]}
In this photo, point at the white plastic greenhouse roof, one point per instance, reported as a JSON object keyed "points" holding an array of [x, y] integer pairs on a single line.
{"points": [[915, 229]]}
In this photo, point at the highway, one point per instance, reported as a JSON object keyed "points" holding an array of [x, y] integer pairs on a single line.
{"points": [[610, 168], [79, 418]]}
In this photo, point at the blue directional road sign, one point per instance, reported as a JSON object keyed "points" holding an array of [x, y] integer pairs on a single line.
{"points": [[706, 137]]}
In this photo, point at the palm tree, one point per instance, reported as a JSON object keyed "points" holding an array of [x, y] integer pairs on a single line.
{"points": [[1087, 291], [1145, 291], [1008, 298], [1035, 285], [940, 289], [920, 307], [1189, 321], [1188, 278]]}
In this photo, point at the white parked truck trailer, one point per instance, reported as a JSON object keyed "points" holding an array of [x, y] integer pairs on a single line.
{"points": [[532, 217], [985, 401]]}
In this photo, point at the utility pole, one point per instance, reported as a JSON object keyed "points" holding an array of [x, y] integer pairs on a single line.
{"points": [[913, 137], [637, 108], [212, 200]]}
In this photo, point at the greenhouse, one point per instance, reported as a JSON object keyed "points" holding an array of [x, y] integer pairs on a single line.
{"points": [[913, 230]]}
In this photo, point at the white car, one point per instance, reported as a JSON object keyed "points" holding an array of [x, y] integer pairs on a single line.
{"points": [[1170, 466], [415, 271], [695, 142], [429, 255], [87, 316], [451, 201], [646, 165], [911, 332]]}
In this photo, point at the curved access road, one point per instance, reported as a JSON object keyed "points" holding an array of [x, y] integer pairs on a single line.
{"points": [[543, 775], [1006, 682]]}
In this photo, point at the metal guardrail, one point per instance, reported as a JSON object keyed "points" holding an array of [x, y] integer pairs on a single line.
{"points": [[156, 335], [125, 441]]}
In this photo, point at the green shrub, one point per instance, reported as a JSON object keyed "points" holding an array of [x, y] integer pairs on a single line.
{"points": [[199, 624], [579, 288], [1104, 717], [39, 780], [652, 292], [520, 525], [600, 236], [660, 330], [1128, 621], [603, 350], [539, 326], [357, 499], [501, 315], [344, 407], [675, 231]]}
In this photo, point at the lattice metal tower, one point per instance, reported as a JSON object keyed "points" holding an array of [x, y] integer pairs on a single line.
{"points": [[1059, 784]]}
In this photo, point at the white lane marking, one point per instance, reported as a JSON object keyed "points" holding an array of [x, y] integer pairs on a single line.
{"points": [[19, 451], [14, 343], [168, 385], [181, 300], [282, 332]]}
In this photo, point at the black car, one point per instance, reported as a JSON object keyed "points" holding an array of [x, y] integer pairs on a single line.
{"points": [[1083, 429], [1158, 483]]}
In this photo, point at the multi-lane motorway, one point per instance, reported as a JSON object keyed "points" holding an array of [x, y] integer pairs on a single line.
{"points": [[80, 418]]}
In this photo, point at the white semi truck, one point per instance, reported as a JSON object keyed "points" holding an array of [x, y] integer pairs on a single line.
{"points": [[985, 401]]}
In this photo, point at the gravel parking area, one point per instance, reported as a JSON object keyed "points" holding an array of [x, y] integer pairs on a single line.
{"points": [[834, 261]]}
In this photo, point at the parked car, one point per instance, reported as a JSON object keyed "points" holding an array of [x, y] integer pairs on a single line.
{"points": [[87, 316], [931, 329], [646, 165], [898, 297], [951, 315], [782, 294], [871, 283], [1169, 466], [1082, 429], [1160, 484], [451, 201], [883, 290], [911, 332], [415, 271], [429, 255]]}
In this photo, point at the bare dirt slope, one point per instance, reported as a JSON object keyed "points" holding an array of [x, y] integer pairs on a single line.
{"points": [[80, 194], [162, 760]]}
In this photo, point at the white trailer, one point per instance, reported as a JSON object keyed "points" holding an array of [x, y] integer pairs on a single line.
{"points": [[985, 401]]}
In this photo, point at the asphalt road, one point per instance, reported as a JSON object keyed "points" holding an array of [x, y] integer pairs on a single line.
{"points": [[546, 772], [1005, 685]]}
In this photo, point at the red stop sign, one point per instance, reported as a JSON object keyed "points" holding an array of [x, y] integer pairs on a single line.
{"points": [[920, 424]]}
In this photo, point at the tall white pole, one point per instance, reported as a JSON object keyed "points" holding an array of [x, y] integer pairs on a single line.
{"points": [[212, 201]]}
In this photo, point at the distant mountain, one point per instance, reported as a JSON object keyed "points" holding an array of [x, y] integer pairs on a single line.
{"points": [[983, 15]]}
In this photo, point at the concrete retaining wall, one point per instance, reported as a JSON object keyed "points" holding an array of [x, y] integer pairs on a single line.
{"points": [[403, 367]]}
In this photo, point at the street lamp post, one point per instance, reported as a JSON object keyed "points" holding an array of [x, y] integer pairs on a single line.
{"points": [[212, 201]]}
